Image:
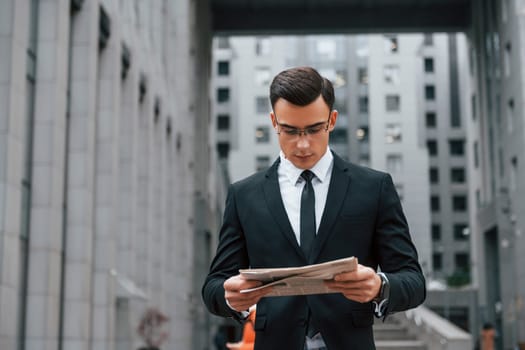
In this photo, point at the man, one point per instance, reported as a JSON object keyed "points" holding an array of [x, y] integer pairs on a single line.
{"points": [[272, 219]]}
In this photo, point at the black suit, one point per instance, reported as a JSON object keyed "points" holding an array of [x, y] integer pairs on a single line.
{"points": [[362, 218]]}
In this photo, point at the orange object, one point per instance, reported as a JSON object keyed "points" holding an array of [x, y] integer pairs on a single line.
{"points": [[248, 335]]}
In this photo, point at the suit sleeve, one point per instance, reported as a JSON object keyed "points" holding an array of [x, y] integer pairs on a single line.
{"points": [[231, 256], [397, 255]]}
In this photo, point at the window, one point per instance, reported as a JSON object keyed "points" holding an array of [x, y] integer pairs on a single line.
{"points": [[394, 163], [461, 232], [393, 133], [513, 181], [262, 46], [223, 148], [326, 48], [459, 203], [224, 42], [430, 119], [428, 39], [429, 64], [392, 103], [506, 59], [262, 105], [362, 133], [461, 260], [457, 175], [362, 75], [363, 104], [474, 107], [390, 44], [223, 122], [510, 115], [430, 92], [434, 175], [223, 94], [262, 76], [435, 204], [436, 232], [456, 147], [262, 134], [339, 135], [391, 74], [223, 67], [432, 147], [476, 154], [437, 261], [262, 162]]}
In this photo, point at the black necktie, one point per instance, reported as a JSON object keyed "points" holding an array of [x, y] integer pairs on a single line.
{"points": [[307, 213], [308, 230]]}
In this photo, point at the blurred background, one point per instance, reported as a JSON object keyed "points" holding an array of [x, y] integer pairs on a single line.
{"points": [[123, 122]]}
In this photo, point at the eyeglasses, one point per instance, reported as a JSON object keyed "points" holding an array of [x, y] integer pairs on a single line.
{"points": [[291, 132]]}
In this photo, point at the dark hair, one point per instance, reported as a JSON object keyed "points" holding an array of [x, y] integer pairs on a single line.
{"points": [[301, 86]]}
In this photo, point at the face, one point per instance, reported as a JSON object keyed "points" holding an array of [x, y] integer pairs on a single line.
{"points": [[303, 147]]}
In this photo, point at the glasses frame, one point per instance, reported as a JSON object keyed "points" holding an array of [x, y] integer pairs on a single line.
{"points": [[303, 131]]}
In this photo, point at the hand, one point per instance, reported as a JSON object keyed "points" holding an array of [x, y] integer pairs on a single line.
{"points": [[361, 285], [242, 301]]}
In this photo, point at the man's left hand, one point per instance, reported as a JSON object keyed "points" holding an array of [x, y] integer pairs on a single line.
{"points": [[361, 285]]}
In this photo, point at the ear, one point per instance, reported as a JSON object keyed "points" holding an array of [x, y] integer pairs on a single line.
{"points": [[274, 120], [333, 118]]}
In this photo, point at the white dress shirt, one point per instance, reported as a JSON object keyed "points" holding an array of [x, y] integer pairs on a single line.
{"points": [[291, 185]]}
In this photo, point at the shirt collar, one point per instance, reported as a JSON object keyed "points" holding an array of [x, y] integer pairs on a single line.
{"points": [[320, 169]]}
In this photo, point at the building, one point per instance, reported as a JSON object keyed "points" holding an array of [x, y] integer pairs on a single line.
{"points": [[106, 197]]}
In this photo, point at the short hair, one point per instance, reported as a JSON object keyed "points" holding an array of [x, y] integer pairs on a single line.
{"points": [[301, 86]]}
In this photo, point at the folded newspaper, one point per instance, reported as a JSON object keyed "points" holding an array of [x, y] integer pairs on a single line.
{"points": [[299, 280]]}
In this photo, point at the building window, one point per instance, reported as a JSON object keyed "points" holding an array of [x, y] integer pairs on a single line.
{"points": [[430, 119], [363, 104], [394, 163], [435, 204], [434, 175], [223, 94], [474, 107], [326, 48], [461, 232], [262, 134], [262, 105], [390, 44], [223, 67], [459, 203], [457, 175], [428, 39], [513, 173], [391, 74], [436, 232], [429, 64], [223, 42], [362, 75], [510, 115], [223, 148], [430, 92], [362, 134], [393, 133], [432, 147], [223, 122], [393, 103], [262, 46], [262, 76], [262, 162], [456, 147], [476, 154], [437, 261], [506, 58], [461, 260], [339, 135]]}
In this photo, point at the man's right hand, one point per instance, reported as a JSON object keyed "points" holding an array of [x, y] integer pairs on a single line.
{"points": [[242, 301]]}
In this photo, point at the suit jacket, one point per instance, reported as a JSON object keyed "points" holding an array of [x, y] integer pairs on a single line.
{"points": [[362, 218]]}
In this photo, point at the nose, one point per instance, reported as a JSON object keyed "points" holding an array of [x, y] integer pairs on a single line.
{"points": [[303, 142]]}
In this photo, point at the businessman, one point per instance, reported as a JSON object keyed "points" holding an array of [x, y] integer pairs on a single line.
{"points": [[309, 207]]}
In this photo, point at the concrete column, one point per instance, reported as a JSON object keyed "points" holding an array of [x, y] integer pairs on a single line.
{"points": [[106, 185], [14, 26], [78, 287]]}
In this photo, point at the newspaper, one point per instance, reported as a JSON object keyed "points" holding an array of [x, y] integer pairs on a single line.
{"points": [[298, 280]]}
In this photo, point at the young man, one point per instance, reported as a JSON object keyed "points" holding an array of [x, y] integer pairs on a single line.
{"points": [[311, 207]]}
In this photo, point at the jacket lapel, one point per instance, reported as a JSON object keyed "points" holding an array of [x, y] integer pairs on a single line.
{"points": [[275, 204], [334, 201]]}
